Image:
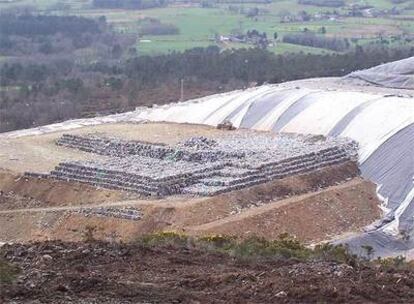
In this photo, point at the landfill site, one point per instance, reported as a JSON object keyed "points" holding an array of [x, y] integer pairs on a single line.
{"points": [[321, 160], [191, 178]]}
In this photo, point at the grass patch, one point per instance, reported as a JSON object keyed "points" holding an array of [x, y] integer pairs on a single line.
{"points": [[7, 272], [197, 26], [253, 248], [282, 248]]}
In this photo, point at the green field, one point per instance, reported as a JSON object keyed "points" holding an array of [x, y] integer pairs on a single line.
{"points": [[198, 26]]}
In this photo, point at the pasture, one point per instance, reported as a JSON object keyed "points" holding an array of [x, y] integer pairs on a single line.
{"points": [[198, 26]]}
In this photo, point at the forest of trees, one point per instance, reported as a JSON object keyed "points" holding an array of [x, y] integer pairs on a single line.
{"points": [[129, 4], [61, 89], [319, 41], [253, 65], [155, 27], [145, 4], [329, 3], [31, 35], [32, 25]]}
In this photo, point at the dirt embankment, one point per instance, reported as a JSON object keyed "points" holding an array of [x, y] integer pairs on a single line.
{"points": [[55, 272], [312, 206], [311, 217], [17, 191], [235, 202]]}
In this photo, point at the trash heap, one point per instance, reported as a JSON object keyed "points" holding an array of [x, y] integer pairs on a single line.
{"points": [[199, 165]]}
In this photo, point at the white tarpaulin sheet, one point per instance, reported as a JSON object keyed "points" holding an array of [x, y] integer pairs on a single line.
{"points": [[399, 74]]}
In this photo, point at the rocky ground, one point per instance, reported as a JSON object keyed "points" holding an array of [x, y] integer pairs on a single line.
{"points": [[184, 272]]}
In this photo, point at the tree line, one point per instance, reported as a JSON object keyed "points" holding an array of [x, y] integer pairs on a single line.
{"points": [[28, 35], [328, 3], [254, 64], [32, 25], [129, 4], [319, 41], [156, 27], [40, 93]]}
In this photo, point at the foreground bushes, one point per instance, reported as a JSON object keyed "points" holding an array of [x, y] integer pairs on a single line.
{"points": [[7, 272], [285, 247]]}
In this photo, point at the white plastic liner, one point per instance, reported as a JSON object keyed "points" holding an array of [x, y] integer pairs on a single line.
{"points": [[262, 107], [267, 122], [327, 109], [179, 112], [399, 74], [379, 121], [237, 116], [237, 102], [71, 124]]}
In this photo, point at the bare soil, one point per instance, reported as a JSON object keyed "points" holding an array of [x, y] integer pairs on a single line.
{"points": [[310, 217], [312, 206], [236, 202], [55, 272], [17, 191]]}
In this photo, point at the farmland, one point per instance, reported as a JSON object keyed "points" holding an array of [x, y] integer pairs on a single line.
{"points": [[199, 26]]}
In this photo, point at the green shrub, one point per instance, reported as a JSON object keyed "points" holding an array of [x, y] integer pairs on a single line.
{"points": [[336, 253], [217, 241], [285, 247], [163, 238], [395, 263]]}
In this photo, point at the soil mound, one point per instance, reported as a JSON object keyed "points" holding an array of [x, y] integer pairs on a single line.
{"points": [[17, 191], [55, 272]]}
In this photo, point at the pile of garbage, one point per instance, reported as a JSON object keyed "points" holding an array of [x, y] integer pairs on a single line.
{"points": [[199, 165]]}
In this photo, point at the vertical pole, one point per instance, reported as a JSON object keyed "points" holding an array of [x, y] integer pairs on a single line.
{"points": [[182, 90]]}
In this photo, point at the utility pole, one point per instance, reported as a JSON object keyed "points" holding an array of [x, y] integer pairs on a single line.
{"points": [[182, 90]]}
